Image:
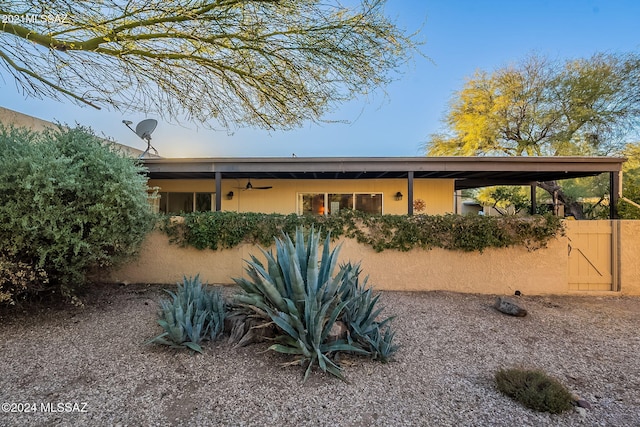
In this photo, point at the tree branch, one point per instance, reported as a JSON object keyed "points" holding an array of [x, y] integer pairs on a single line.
{"points": [[45, 81]]}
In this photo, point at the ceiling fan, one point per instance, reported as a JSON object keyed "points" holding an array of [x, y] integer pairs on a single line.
{"points": [[250, 186]]}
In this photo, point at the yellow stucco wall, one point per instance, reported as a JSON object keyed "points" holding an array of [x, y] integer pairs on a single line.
{"points": [[282, 198], [495, 271], [161, 262]]}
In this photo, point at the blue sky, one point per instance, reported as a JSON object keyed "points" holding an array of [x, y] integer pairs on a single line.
{"points": [[461, 36]]}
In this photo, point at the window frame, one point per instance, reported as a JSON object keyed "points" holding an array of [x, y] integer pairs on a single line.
{"points": [[194, 195], [352, 194]]}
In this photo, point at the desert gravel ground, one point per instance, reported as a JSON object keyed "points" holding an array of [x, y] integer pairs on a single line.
{"points": [[94, 359]]}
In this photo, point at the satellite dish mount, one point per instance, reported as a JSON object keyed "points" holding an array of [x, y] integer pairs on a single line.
{"points": [[144, 129]]}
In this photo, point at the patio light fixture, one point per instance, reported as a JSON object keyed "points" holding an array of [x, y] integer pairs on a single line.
{"points": [[398, 196], [230, 195]]}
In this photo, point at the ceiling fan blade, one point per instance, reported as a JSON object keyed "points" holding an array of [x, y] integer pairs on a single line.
{"points": [[250, 186]]}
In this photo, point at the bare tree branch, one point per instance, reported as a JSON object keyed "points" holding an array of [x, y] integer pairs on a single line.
{"points": [[265, 63]]}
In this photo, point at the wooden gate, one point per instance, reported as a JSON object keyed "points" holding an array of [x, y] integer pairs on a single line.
{"points": [[593, 255]]}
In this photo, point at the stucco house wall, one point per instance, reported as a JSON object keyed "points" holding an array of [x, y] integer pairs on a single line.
{"points": [[438, 194]]}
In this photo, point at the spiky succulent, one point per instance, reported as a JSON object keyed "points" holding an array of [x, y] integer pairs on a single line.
{"points": [[361, 316], [194, 313], [297, 291]]}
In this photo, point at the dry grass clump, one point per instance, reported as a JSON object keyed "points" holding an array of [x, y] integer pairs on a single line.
{"points": [[534, 389]]}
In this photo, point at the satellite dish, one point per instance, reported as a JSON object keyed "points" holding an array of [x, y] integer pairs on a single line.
{"points": [[144, 130]]}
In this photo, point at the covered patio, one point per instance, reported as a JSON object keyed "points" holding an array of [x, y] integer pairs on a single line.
{"points": [[466, 172]]}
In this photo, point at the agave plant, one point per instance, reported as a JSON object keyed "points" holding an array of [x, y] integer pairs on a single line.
{"points": [[194, 314], [297, 291], [361, 316]]}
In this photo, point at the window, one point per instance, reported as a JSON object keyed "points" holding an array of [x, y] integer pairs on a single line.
{"points": [[332, 203], [176, 203], [203, 202], [370, 203], [311, 204], [337, 202]]}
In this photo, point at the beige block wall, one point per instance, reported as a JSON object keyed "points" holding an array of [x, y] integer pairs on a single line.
{"points": [[15, 118], [282, 198], [495, 271], [161, 262]]}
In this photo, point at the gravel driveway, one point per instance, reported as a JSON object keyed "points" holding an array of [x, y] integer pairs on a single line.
{"points": [[89, 366]]}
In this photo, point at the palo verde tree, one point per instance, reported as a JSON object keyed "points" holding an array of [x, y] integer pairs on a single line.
{"points": [[261, 63], [544, 108]]}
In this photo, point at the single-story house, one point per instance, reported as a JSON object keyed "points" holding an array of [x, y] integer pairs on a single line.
{"points": [[389, 185], [593, 256]]}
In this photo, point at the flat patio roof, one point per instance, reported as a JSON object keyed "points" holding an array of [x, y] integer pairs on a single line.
{"points": [[468, 172]]}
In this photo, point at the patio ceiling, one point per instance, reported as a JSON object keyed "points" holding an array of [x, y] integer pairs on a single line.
{"points": [[468, 172]]}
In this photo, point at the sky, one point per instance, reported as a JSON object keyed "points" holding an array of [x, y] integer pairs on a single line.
{"points": [[460, 37]]}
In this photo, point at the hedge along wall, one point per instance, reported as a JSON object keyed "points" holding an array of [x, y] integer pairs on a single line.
{"points": [[494, 271]]}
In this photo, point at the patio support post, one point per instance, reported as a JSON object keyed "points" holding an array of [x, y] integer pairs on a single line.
{"points": [[218, 191], [533, 198], [410, 193], [614, 186]]}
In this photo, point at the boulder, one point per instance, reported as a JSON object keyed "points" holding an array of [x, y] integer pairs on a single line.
{"points": [[338, 331], [509, 306], [580, 402]]}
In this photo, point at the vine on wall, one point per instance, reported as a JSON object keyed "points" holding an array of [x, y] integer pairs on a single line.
{"points": [[223, 230]]}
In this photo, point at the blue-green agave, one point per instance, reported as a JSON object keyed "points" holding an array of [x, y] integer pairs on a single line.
{"points": [[194, 313], [297, 291]]}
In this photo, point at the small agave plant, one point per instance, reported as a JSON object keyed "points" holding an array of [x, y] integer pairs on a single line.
{"points": [[194, 314], [361, 316], [297, 291]]}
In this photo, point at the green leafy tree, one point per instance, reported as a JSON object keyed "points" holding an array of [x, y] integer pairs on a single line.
{"points": [[544, 108], [592, 194], [629, 207], [264, 63], [69, 204], [504, 199]]}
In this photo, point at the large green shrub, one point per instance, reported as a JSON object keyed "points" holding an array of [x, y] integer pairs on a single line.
{"points": [[68, 204], [300, 294]]}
